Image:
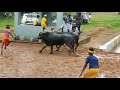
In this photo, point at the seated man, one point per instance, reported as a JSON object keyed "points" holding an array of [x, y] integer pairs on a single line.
{"points": [[85, 18], [36, 21]]}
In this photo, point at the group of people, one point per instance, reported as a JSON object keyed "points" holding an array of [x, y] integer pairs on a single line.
{"points": [[43, 22], [70, 25]]}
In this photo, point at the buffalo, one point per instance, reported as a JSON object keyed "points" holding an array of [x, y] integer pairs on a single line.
{"points": [[54, 38], [76, 38]]}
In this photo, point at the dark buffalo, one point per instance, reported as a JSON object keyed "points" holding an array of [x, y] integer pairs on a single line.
{"points": [[53, 38], [76, 37]]}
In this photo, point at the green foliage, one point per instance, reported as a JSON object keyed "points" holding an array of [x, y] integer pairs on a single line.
{"points": [[6, 21]]}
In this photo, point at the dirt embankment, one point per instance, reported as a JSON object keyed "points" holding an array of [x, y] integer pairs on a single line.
{"points": [[100, 35]]}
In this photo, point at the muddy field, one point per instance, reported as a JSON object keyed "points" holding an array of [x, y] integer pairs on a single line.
{"points": [[23, 60]]}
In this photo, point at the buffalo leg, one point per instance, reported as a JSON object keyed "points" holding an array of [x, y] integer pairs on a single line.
{"points": [[77, 44], [71, 46], [51, 50], [42, 48], [58, 48], [72, 50]]}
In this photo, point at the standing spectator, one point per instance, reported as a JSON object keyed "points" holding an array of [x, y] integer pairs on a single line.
{"points": [[69, 26], [79, 21], [69, 19], [5, 14], [44, 22], [89, 16], [69, 23], [10, 14], [93, 65], [64, 26]]}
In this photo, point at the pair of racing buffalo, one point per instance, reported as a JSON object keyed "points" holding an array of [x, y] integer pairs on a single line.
{"points": [[59, 38]]}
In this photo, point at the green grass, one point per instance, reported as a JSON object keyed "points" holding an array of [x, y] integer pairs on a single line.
{"points": [[112, 21], [6, 21]]}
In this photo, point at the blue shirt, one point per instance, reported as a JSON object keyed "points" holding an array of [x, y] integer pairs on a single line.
{"points": [[93, 61], [69, 20]]}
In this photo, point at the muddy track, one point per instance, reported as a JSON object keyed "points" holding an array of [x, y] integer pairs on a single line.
{"points": [[23, 60]]}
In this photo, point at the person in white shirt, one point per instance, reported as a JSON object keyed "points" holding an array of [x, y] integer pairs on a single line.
{"points": [[64, 26], [85, 18], [24, 19], [69, 27]]}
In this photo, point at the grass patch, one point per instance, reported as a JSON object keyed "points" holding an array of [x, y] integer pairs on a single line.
{"points": [[112, 21], [6, 21]]}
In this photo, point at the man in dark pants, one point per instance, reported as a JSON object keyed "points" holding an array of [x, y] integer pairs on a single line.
{"points": [[79, 21]]}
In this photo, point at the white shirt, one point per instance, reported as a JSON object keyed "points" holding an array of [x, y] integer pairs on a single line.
{"points": [[89, 16], [64, 25], [85, 17], [69, 26]]}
